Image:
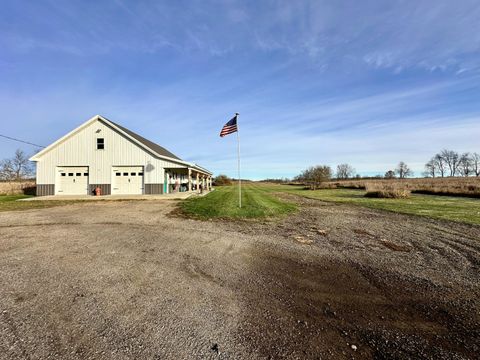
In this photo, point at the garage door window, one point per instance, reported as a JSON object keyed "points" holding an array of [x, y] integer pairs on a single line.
{"points": [[118, 174], [70, 174]]}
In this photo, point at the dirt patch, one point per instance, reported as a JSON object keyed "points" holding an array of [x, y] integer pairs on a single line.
{"points": [[362, 232], [321, 310], [395, 247], [40, 224], [303, 240]]}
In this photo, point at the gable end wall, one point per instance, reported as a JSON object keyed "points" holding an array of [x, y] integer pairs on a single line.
{"points": [[80, 150]]}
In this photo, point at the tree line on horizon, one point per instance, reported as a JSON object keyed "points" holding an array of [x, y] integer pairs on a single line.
{"points": [[446, 163], [314, 176]]}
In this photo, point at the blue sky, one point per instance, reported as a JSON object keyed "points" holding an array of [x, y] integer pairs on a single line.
{"points": [[369, 83]]}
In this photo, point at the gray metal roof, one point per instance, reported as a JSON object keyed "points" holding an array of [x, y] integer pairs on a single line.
{"points": [[150, 144]]}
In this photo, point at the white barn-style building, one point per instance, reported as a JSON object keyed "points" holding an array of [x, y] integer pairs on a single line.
{"points": [[102, 154]]}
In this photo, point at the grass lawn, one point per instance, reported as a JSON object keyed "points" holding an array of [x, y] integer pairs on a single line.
{"points": [[257, 202], [459, 209], [9, 203]]}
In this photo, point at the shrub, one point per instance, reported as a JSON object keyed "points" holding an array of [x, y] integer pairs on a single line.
{"points": [[315, 176], [387, 191], [221, 180], [30, 190]]}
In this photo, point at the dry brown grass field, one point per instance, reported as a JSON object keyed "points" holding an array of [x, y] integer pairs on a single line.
{"points": [[454, 186], [17, 187], [393, 191]]}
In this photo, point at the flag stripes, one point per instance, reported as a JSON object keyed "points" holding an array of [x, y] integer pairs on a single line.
{"points": [[230, 127]]}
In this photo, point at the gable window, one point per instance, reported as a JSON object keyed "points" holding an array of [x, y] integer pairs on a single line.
{"points": [[100, 143]]}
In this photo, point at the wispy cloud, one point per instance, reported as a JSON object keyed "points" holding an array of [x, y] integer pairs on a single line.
{"points": [[434, 35], [369, 83]]}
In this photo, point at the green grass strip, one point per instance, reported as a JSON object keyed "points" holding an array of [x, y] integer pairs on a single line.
{"points": [[459, 209], [257, 202]]}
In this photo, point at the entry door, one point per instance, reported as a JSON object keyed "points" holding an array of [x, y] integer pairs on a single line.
{"points": [[127, 180], [72, 180]]}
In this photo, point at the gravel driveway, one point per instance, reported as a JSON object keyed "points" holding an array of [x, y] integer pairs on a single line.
{"points": [[125, 280]]}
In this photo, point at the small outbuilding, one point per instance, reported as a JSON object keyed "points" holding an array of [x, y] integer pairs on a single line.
{"points": [[100, 154]]}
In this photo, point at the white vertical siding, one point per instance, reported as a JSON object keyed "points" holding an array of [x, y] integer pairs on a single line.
{"points": [[81, 150]]}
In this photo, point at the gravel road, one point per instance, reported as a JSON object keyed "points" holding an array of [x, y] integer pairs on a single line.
{"points": [[132, 280]]}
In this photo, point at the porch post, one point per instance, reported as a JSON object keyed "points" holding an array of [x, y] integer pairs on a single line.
{"points": [[198, 182], [189, 179]]}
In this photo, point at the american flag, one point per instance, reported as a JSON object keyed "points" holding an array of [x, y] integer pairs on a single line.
{"points": [[230, 127]]}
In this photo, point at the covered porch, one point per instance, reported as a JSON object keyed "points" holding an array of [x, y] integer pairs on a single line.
{"points": [[186, 179]]}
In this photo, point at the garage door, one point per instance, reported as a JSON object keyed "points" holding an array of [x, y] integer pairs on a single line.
{"points": [[127, 180], [72, 180]]}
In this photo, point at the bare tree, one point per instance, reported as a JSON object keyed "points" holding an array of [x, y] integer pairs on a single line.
{"points": [[390, 174], [6, 169], [321, 173], [476, 164], [403, 170], [451, 158], [16, 168], [440, 165], [345, 171], [431, 168], [465, 164]]}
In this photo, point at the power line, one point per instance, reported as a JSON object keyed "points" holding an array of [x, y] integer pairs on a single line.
{"points": [[22, 141]]}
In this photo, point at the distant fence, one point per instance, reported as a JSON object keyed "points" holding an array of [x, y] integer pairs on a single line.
{"points": [[17, 187]]}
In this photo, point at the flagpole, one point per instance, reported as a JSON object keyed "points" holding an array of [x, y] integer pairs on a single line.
{"points": [[238, 157]]}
